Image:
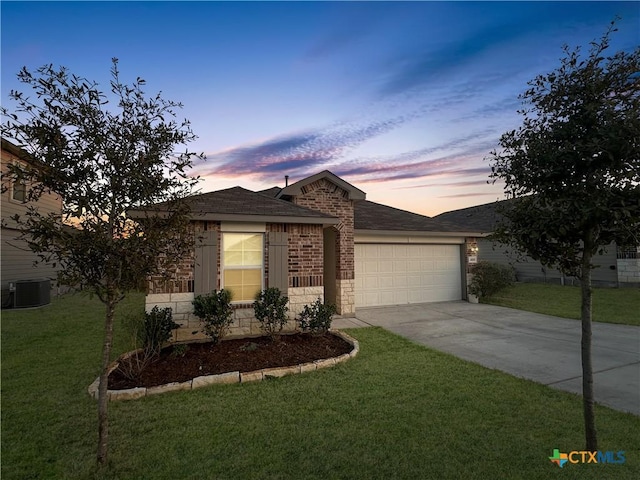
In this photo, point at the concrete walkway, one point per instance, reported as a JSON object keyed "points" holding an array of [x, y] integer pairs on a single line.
{"points": [[539, 347]]}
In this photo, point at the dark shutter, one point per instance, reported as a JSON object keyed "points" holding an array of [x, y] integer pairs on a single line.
{"points": [[279, 260], [206, 268]]}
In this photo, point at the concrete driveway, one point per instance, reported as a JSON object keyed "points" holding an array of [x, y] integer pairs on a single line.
{"points": [[539, 347]]}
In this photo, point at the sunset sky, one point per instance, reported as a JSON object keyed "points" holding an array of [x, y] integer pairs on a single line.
{"points": [[403, 100]]}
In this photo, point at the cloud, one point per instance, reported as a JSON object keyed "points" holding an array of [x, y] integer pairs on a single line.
{"points": [[336, 41], [417, 68], [472, 183], [473, 194], [297, 153], [401, 167]]}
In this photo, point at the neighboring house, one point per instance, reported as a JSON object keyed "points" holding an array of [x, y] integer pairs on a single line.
{"points": [[17, 259], [616, 266], [316, 238]]}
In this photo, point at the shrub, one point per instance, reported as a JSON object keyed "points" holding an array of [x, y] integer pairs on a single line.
{"points": [[151, 330], [271, 310], [179, 350], [316, 318], [157, 328], [489, 278], [214, 311]]}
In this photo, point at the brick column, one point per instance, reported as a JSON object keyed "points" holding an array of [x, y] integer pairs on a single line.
{"points": [[325, 197]]}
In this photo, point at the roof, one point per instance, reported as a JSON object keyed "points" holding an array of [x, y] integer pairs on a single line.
{"points": [[297, 188], [482, 218], [240, 204], [271, 192], [17, 151], [374, 216], [272, 205]]}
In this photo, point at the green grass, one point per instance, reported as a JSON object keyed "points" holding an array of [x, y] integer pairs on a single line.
{"points": [[610, 305], [398, 410]]}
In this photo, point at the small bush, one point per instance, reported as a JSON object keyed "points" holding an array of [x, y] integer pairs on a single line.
{"points": [[179, 350], [151, 330], [157, 328], [316, 318], [271, 310], [489, 278], [214, 311]]}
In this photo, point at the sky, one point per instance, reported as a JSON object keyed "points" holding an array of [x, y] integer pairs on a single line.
{"points": [[404, 100]]}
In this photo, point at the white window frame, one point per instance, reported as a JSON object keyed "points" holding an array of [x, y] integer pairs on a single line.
{"points": [[224, 267], [12, 190]]}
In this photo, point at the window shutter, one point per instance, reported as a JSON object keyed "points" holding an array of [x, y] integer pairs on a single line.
{"points": [[279, 261], [206, 267]]}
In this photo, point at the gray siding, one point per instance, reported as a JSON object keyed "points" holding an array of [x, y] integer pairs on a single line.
{"points": [[530, 270], [17, 259], [18, 263]]}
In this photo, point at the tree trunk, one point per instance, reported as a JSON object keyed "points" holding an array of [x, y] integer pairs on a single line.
{"points": [[587, 367], [103, 420]]}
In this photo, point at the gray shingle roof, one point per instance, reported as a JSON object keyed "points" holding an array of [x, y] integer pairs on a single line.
{"points": [[240, 201], [240, 204], [271, 192], [374, 216], [481, 218]]}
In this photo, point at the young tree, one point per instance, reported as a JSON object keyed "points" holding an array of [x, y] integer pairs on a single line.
{"points": [[104, 154], [574, 168]]}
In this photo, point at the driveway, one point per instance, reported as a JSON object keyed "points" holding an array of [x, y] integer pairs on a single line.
{"points": [[542, 348]]}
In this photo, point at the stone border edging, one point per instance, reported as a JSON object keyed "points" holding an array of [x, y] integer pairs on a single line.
{"points": [[229, 377]]}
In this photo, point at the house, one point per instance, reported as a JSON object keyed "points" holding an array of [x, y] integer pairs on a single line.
{"points": [[17, 259], [316, 238], [616, 266]]}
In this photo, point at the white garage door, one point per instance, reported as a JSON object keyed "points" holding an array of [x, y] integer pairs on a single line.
{"points": [[388, 274]]}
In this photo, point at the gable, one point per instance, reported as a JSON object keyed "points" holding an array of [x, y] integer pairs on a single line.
{"points": [[313, 182]]}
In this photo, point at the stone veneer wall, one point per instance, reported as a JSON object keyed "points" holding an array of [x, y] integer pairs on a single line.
{"points": [[471, 250], [299, 297], [346, 297], [244, 322], [629, 270], [323, 196]]}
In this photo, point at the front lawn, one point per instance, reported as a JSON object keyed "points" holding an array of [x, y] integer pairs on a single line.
{"points": [[611, 305], [398, 410]]}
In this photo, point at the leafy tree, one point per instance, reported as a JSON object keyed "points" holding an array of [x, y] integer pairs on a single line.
{"points": [[105, 155], [574, 169]]}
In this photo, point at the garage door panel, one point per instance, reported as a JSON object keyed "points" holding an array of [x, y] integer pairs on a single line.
{"points": [[386, 281], [388, 274]]}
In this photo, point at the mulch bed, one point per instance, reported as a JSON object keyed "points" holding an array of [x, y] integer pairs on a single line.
{"points": [[242, 355]]}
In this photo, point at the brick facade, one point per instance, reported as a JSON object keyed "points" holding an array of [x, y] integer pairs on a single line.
{"points": [[180, 278], [305, 253], [305, 244], [305, 276], [326, 197]]}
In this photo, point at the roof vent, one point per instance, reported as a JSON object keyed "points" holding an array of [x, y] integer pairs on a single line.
{"points": [[286, 180]]}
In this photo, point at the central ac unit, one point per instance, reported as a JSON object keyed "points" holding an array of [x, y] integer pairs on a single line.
{"points": [[32, 293]]}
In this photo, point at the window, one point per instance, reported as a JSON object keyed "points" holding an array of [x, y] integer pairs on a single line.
{"points": [[243, 264], [19, 191]]}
